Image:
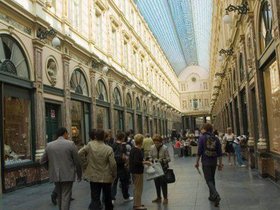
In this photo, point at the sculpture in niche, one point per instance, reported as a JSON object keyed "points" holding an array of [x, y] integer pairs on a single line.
{"points": [[51, 71]]}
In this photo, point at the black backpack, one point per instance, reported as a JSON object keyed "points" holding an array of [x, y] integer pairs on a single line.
{"points": [[210, 146], [119, 151]]}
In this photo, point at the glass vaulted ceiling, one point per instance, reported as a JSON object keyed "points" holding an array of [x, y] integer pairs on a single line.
{"points": [[182, 28]]}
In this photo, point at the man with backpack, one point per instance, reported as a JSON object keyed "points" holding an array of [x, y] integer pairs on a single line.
{"points": [[122, 167], [210, 152]]}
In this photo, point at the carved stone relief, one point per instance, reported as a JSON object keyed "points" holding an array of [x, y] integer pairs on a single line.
{"points": [[51, 71]]}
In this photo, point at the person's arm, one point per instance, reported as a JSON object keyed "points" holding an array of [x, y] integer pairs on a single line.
{"points": [[219, 153], [112, 163], [199, 151], [77, 162], [44, 159], [83, 152], [166, 155]]}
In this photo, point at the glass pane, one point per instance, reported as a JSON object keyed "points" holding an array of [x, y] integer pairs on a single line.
{"points": [[77, 123], [102, 115], [272, 93], [17, 130]]}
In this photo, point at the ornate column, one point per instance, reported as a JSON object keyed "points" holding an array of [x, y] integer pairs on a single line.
{"points": [[111, 110], [93, 98], [66, 114], [39, 98]]}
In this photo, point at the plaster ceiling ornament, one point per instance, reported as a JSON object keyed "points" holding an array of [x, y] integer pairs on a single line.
{"points": [[51, 71]]}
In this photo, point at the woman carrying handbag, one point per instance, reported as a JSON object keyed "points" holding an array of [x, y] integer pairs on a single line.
{"points": [[159, 152]]}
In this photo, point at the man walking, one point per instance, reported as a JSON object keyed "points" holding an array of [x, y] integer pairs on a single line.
{"points": [[209, 150], [61, 157]]}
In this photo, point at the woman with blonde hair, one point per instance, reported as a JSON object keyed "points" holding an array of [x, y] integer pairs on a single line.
{"points": [[159, 152], [229, 138]]}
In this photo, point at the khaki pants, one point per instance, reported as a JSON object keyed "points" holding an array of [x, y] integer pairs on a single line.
{"points": [[138, 188]]}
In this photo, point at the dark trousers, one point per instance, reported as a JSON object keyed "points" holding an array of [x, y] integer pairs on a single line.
{"points": [[95, 188], [161, 184], [123, 176], [64, 191], [209, 175]]}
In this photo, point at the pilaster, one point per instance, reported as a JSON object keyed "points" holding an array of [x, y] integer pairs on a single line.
{"points": [[66, 121], [39, 98], [93, 98], [111, 109]]}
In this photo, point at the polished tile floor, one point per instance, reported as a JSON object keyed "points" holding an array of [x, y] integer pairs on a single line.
{"points": [[240, 189]]}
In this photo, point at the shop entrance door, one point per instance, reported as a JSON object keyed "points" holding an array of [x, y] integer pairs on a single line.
{"points": [[52, 121]]}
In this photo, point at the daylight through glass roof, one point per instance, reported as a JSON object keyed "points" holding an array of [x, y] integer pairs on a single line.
{"points": [[182, 28]]}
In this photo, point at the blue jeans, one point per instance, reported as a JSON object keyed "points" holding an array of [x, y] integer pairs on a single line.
{"points": [[237, 150]]}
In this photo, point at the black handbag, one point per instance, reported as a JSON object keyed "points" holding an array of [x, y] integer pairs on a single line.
{"points": [[170, 176]]}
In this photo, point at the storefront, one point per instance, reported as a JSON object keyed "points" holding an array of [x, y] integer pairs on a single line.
{"points": [[80, 106], [118, 111], [129, 113], [138, 116], [17, 124], [102, 106]]}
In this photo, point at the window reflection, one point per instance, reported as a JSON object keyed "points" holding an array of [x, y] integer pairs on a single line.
{"points": [[17, 126], [272, 93]]}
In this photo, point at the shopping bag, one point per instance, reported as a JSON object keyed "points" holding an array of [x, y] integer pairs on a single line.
{"points": [[158, 172], [150, 170], [170, 176]]}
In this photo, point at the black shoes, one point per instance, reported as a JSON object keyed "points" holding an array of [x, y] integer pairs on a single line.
{"points": [[53, 198], [216, 200]]}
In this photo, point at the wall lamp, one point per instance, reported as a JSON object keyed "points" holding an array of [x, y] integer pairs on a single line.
{"points": [[242, 9], [44, 34], [219, 74], [226, 52]]}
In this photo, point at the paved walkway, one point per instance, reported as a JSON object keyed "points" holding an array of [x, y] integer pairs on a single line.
{"points": [[240, 189]]}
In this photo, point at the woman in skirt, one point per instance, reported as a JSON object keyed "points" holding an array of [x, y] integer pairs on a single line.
{"points": [[229, 138]]}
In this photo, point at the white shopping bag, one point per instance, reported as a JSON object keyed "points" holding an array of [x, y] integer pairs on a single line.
{"points": [[158, 172]]}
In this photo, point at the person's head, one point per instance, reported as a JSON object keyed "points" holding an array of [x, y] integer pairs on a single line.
{"points": [[62, 132], [229, 130], [157, 140], [216, 132], [109, 132], [120, 136], [207, 127], [100, 135], [92, 134], [147, 135], [138, 138]]}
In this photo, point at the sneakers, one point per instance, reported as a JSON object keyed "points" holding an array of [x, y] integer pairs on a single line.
{"points": [[165, 201], [113, 202], [242, 166], [128, 199], [157, 200]]}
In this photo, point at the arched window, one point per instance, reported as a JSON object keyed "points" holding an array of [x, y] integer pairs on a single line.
{"points": [[117, 97], [128, 101], [145, 107], [101, 91], [138, 106], [12, 58], [265, 24], [78, 83]]}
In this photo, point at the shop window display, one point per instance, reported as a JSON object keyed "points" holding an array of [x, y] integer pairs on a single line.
{"points": [[17, 130], [102, 118], [272, 93]]}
